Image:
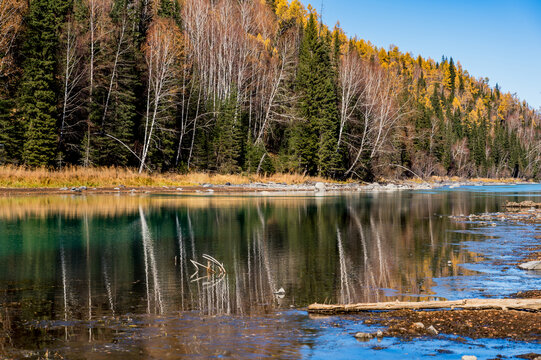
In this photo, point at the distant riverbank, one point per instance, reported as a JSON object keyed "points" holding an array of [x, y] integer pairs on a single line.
{"points": [[17, 180]]}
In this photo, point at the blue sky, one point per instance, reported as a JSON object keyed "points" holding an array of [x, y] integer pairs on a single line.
{"points": [[497, 39]]}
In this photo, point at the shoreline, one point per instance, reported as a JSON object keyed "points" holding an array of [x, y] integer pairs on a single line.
{"points": [[259, 188]]}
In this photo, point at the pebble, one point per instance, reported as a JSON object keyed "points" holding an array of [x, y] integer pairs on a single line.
{"points": [[418, 326], [469, 357], [432, 330]]}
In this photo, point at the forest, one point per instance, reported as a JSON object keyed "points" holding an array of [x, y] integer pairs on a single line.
{"points": [[243, 86]]}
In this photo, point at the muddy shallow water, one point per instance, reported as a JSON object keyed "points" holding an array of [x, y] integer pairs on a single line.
{"points": [[109, 276]]}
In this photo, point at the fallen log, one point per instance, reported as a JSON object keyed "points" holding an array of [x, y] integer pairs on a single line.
{"points": [[469, 304], [522, 205]]}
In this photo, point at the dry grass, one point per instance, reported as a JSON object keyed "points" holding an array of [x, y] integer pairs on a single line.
{"points": [[19, 177], [479, 180]]}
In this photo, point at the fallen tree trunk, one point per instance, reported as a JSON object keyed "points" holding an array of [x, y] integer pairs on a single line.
{"points": [[469, 304]]}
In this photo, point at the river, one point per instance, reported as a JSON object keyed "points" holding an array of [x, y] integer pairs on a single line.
{"points": [[107, 277]]}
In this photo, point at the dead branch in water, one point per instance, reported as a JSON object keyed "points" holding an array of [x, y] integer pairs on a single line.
{"points": [[470, 304]]}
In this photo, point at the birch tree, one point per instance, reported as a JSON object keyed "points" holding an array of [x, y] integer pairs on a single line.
{"points": [[11, 21], [163, 49]]}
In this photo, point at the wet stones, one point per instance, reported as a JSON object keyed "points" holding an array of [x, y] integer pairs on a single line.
{"points": [[364, 336]]}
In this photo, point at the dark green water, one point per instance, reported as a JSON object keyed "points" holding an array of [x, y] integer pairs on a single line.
{"points": [[110, 276]]}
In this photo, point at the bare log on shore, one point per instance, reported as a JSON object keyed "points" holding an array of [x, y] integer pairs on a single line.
{"points": [[522, 205], [466, 304]]}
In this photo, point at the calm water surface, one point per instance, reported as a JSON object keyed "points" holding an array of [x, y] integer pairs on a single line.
{"points": [[101, 277]]}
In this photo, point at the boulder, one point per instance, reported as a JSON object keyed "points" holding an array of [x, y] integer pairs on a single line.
{"points": [[531, 265], [320, 186], [363, 336]]}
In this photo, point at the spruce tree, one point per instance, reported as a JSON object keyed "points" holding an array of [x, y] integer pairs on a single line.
{"points": [[116, 123], [315, 138], [452, 77], [38, 92]]}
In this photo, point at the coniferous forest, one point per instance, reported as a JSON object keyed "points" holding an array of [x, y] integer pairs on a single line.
{"points": [[242, 86]]}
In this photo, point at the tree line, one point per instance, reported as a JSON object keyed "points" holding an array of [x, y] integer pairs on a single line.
{"points": [[252, 86]]}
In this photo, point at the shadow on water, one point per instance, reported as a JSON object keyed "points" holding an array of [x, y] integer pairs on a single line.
{"points": [[114, 275]]}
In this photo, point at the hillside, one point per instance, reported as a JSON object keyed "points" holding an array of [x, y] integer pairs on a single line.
{"points": [[242, 87]]}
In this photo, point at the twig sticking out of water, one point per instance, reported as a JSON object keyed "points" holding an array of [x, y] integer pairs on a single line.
{"points": [[214, 269]]}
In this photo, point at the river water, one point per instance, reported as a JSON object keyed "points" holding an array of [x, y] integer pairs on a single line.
{"points": [[105, 277]]}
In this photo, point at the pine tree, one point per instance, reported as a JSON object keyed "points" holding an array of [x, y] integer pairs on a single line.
{"points": [[118, 108], [228, 137], [315, 138], [38, 93], [452, 78]]}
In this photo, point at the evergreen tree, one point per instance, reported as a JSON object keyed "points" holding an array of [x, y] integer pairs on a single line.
{"points": [[38, 92], [452, 78], [227, 137], [316, 137], [117, 104]]}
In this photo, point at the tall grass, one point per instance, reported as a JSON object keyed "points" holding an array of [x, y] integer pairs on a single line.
{"points": [[20, 177]]}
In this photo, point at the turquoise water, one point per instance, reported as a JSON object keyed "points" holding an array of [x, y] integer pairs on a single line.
{"points": [[112, 276]]}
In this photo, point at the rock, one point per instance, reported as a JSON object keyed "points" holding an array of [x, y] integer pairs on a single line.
{"points": [[117, 188], [379, 334], [121, 186], [469, 357], [206, 185], [210, 191], [418, 326], [320, 186], [227, 184], [531, 265], [75, 189], [363, 336], [432, 330], [63, 189], [179, 189], [83, 188]]}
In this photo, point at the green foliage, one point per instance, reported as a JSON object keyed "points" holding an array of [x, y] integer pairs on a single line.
{"points": [[316, 138], [37, 101], [227, 137]]}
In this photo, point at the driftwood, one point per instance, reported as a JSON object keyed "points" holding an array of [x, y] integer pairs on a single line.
{"points": [[522, 205], [467, 304]]}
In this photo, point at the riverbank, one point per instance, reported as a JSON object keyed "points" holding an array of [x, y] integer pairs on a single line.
{"points": [[21, 181]]}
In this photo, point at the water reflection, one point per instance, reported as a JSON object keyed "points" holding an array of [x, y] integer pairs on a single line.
{"points": [[104, 258]]}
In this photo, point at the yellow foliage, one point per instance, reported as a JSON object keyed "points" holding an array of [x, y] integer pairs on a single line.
{"points": [[456, 104]]}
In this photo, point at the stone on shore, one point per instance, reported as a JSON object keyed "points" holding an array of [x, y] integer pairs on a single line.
{"points": [[531, 265], [320, 186], [363, 336]]}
